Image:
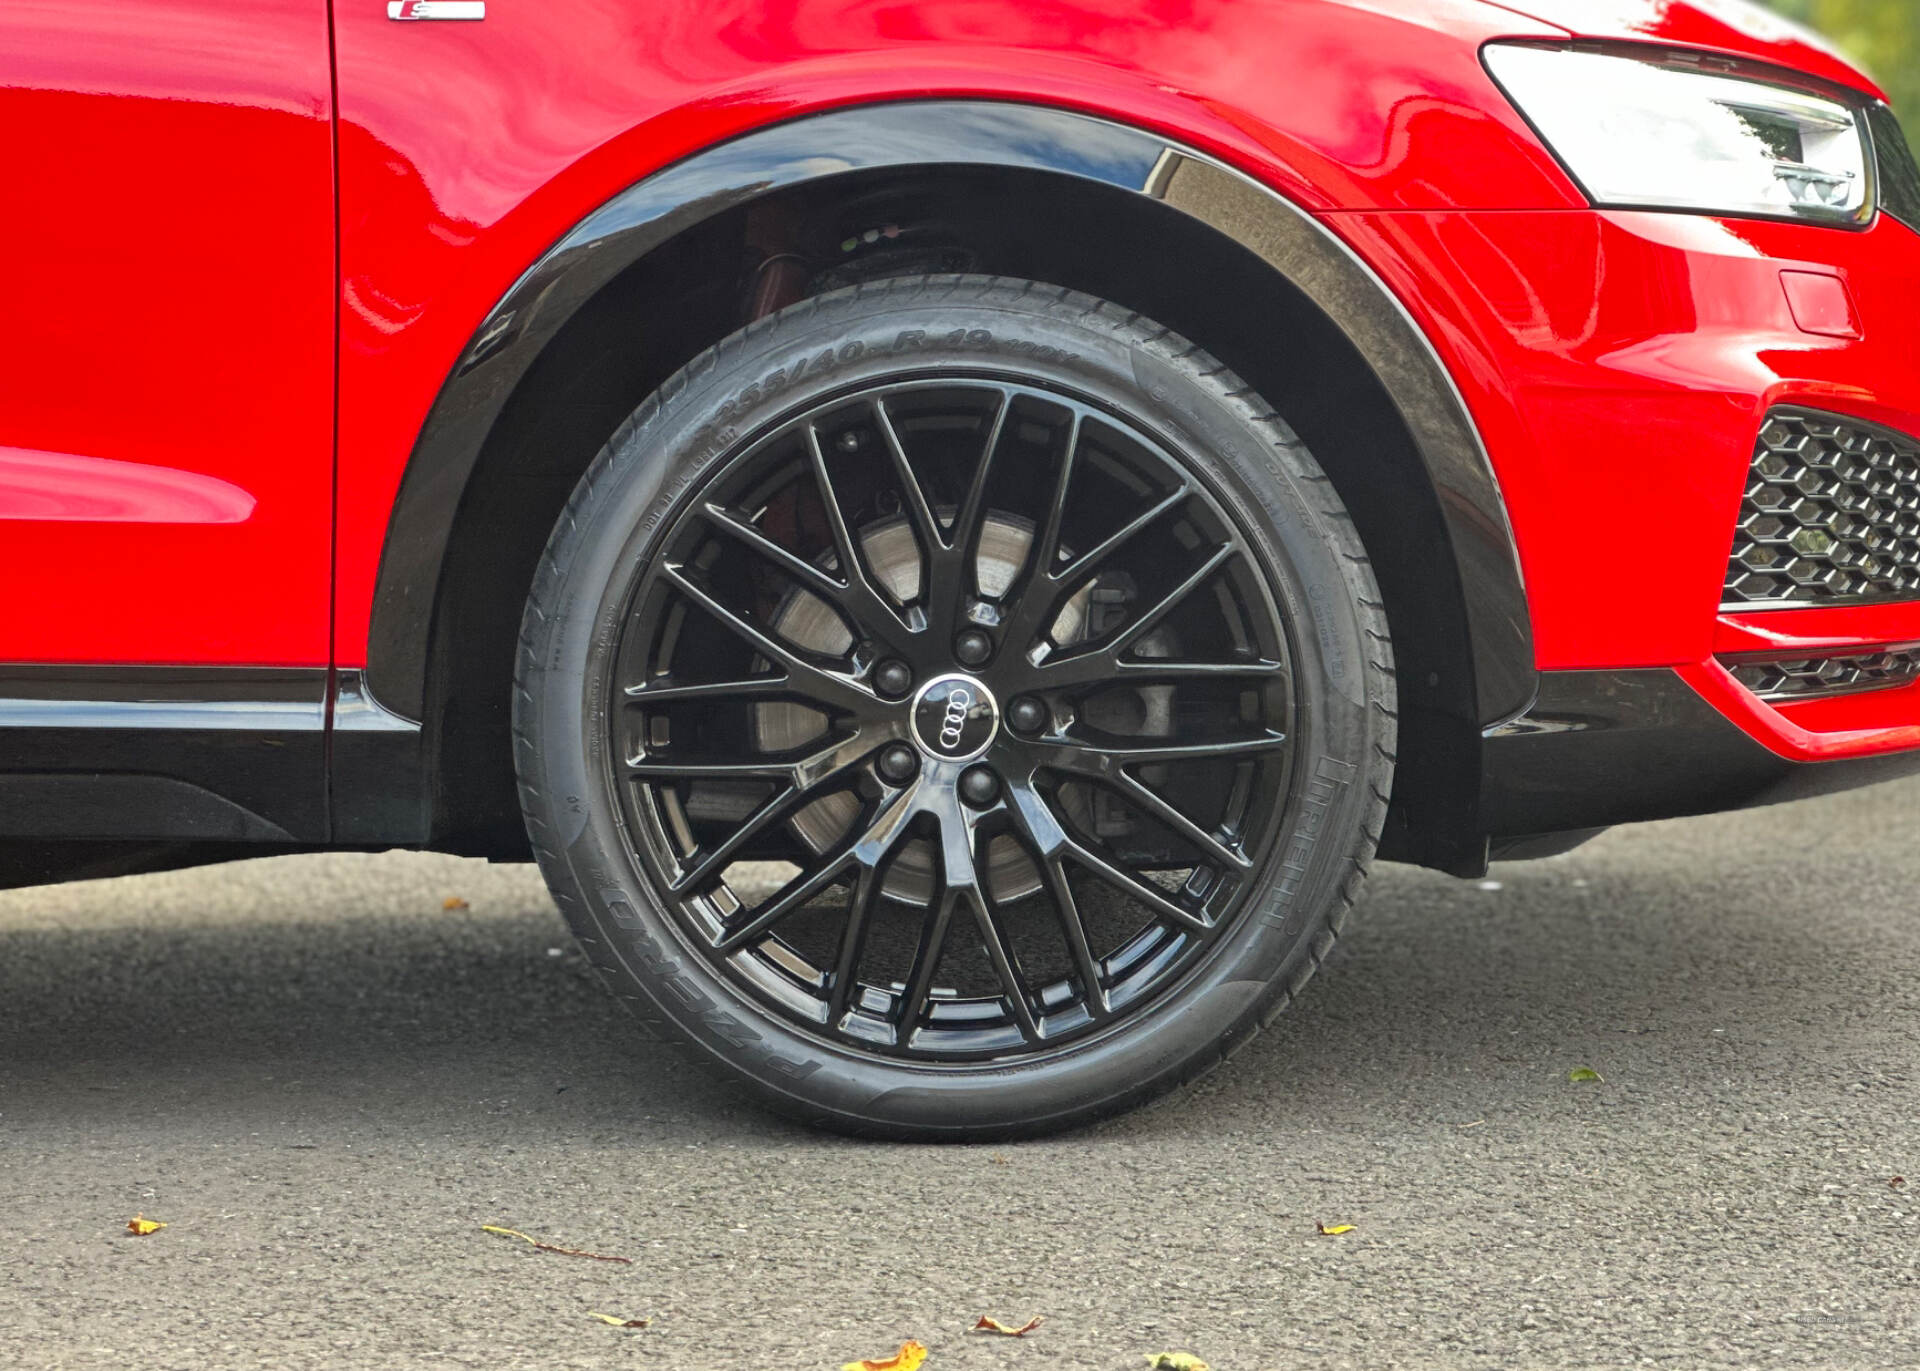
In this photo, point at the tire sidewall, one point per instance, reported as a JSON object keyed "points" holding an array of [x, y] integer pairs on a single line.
{"points": [[845, 342]]}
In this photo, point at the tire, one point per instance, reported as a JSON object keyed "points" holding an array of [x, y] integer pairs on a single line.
{"points": [[1207, 768]]}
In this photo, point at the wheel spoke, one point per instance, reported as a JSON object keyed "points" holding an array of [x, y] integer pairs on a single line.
{"points": [[1052, 842], [956, 565], [784, 901], [826, 685], [1040, 594], [861, 596], [868, 850], [668, 769], [960, 863], [932, 542], [1106, 766], [1101, 758], [846, 967], [1210, 844], [666, 690], [1074, 929], [1171, 600], [1138, 887], [776, 807], [1044, 840], [807, 772], [799, 568], [1143, 670], [1105, 661], [1012, 984], [915, 1000], [1035, 595], [1102, 667], [1074, 571], [807, 780], [1195, 752], [1046, 550], [851, 565], [967, 525]]}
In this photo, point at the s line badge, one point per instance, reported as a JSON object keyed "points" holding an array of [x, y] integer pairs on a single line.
{"points": [[436, 9]]}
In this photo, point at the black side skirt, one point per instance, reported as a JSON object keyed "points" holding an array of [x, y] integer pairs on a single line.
{"points": [[209, 754], [111, 769], [146, 754]]}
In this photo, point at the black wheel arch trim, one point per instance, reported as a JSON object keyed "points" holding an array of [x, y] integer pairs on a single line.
{"points": [[966, 133]]}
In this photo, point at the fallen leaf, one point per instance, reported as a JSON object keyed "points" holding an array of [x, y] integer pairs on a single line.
{"points": [[614, 1322], [1896, 1182], [1584, 1073], [908, 1358], [1334, 1231], [1176, 1361], [141, 1227], [987, 1325], [549, 1247], [454, 902]]}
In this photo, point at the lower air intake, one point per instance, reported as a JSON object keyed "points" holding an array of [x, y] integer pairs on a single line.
{"points": [[1832, 515], [1812, 678]]}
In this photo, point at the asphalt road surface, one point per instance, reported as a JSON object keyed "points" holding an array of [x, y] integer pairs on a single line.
{"points": [[325, 1083]]}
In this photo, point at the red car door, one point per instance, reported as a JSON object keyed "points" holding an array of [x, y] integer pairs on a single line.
{"points": [[167, 336]]}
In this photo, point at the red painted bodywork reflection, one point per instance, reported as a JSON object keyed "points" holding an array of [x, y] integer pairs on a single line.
{"points": [[62, 487]]}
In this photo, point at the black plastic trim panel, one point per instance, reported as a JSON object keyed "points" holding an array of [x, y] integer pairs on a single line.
{"points": [[1899, 174], [1818, 678], [960, 133], [202, 754], [231, 760], [1614, 747], [378, 785]]}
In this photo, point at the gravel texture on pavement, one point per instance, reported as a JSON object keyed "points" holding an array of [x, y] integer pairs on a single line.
{"points": [[324, 1083]]}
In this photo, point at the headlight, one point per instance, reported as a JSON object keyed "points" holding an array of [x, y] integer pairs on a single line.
{"points": [[1656, 132]]}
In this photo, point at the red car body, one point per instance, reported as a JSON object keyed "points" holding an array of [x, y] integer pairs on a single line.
{"points": [[257, 246]]}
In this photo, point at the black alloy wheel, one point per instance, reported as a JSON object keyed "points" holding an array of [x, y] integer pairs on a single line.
{"points": [[957, 706]]}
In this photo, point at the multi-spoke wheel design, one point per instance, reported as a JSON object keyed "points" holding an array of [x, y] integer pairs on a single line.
{"points": [[945, 741], [992, 678]]}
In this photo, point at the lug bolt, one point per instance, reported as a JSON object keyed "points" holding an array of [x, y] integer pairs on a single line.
{"points": [[898, 763], [848, 441], [979, 787], [1027, 715], [973, 647], [893, 679]]}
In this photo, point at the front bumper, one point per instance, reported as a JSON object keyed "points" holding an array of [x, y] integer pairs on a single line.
{"points": [[1610, 747], [1620, 366]]}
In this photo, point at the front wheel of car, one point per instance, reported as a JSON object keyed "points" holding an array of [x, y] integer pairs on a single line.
{"points": [[955, 707]]}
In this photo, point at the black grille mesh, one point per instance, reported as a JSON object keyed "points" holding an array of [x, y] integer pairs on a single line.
{"points": [[1832, 514], [1808, 678]]}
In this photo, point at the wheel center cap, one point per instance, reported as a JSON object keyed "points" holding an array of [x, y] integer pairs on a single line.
{"points": [[954, 718]]}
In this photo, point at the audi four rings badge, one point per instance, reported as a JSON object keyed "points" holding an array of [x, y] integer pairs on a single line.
{"points": [[955, 718], [958, 704]]}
